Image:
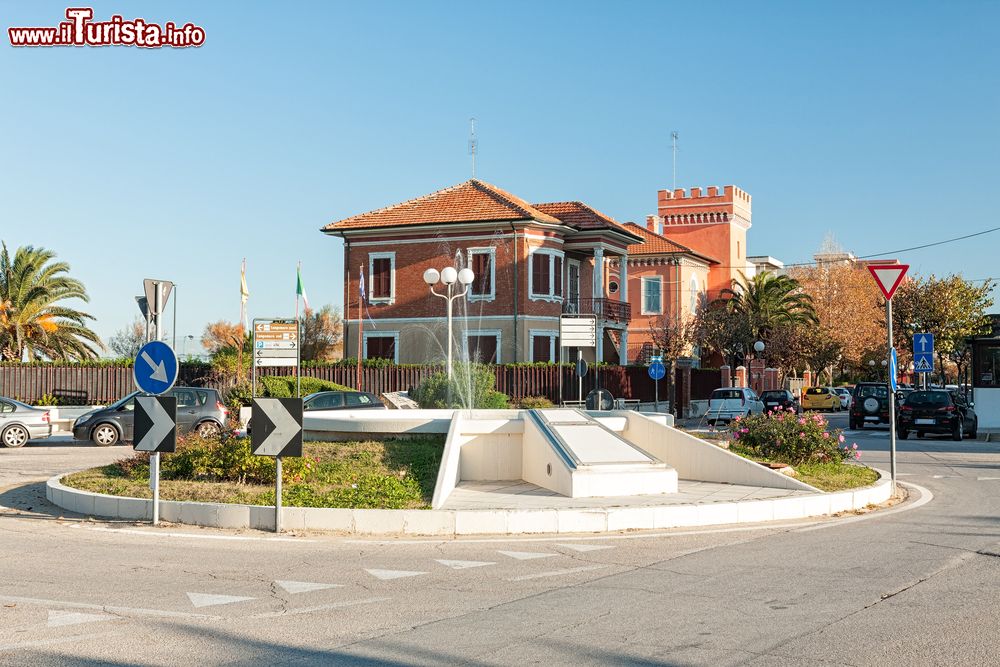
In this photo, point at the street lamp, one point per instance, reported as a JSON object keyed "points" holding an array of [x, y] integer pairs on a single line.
{"points": [[758, 347], [447, 276]]}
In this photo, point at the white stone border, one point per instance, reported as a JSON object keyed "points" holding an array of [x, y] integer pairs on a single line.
{"points": [[469, 522]]}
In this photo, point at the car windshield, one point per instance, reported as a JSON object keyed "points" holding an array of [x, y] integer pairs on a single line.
{"points": [[876, 390], [773, 395], [932, 398], [118, 404], [726, 393]]}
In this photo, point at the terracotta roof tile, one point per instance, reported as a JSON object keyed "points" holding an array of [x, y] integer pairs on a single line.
{"points": [[471, 201], [578, 215], [657, 244]]}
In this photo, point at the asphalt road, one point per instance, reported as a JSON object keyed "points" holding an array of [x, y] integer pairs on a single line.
{"points": [[918, 584]]}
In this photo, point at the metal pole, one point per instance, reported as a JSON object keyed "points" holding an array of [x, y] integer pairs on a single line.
{"points": [[449, 332], [579, 358], [657, 396], [892, 399], [154, 461], [175, 317], [298, 357], [277, 494], [253, 359]]}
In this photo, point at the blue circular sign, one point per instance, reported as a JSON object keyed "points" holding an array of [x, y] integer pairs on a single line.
{"points": [[155, 368], [657, 370]]}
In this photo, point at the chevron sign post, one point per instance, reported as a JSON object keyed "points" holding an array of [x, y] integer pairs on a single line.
{"points": [[155, 431], [888, 277], [276, 430]]}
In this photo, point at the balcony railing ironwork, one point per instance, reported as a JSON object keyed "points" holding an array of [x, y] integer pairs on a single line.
{"points": [[606, 309]]}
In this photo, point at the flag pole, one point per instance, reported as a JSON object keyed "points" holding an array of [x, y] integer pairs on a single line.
{"points": [[298, 336], [361, 276], [243, 322]]}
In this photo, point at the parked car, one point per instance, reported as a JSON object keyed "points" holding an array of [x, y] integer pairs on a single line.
{"points": [[820, 398], [727, 404], [871, 404], [341, 400], [20, 422], [780, 398], [199, 410], [937, 411], [845, 397]]}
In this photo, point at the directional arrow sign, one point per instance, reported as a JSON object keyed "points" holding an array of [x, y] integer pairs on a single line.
{"points": [[155, 368], [888, 276], [923, 352], [276, 427], [155, 424]]}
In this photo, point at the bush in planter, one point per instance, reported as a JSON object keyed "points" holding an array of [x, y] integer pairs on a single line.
{"points": [[472, 386], [533, 402], [784, 436]]}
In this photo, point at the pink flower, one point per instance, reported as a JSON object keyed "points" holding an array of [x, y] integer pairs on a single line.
{"points": [[825, 434], [857, 455], [841, 438], [802, 434], [802, 421], [854, 445]]}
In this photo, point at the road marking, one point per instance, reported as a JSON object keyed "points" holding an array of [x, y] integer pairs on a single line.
{"points": [[526, 555], [50, 642], [209, 599], [157, 533], [385, 575], [987, 479], [464, 564], [586, 547], [305, 586], [59, 618], [321, 607], [137, 611], [557, 573], [925, 497]]}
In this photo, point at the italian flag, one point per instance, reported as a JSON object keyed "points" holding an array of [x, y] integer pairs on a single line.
{"points": [[300, 291]]}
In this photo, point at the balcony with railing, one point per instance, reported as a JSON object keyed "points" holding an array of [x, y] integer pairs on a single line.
{"points": [[609, 310]]}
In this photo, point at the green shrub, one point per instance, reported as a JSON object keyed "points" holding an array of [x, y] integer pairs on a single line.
{"points": [[47, 400], [273, 386], [786, 437], [471, 386], [532, 402], [233, 460]]}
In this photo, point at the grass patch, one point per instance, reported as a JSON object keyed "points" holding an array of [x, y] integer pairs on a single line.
{"points": [[391, 474], [829, 476]]}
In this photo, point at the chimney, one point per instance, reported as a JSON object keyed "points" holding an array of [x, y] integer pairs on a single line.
{"points": [[651, 222]]}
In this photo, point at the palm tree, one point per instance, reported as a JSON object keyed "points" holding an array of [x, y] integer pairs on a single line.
{"points": [[767, 301], [32, 320]]}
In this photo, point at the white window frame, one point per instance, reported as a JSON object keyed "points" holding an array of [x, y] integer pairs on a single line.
{"points": [[642, 304], [496, 333], [391, 256], [552, 335], [381, 334], [550, 296], [492, 294]]}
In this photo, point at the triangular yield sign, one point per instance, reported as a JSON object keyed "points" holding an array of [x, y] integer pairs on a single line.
{"points": [[888, 276]]}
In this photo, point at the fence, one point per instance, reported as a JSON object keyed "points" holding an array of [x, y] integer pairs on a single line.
{"points": [[88, 385]]}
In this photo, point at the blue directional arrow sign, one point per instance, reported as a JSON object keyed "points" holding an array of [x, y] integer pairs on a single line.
{"points": [[893, 370], [155, 369], [923, 352]]}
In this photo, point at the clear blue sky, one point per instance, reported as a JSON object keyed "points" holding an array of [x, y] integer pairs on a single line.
{"points": [[877, 121]]}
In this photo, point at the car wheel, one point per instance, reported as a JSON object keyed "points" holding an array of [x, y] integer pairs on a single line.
{"points": [[975, 428], [920, 434], [14, 436], [105, 435], [903, 435], [208, 430], [958, 432]]}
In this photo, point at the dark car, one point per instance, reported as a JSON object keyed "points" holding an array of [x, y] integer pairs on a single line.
{"points": [[780, 398], [341, 400], [199, 410], [937, 411], [870, 404]]}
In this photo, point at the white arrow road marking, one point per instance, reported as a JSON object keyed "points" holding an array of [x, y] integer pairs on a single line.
{"points": [[585, 547], [987, 479], [556, 573], [60, 618], [322, 607], [464, 564], [526, 555], [285, 427], [159, 372], [162, 424], [305, 586], [207, 599], [393, 574]]}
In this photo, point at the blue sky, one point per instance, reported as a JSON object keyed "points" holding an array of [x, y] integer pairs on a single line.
{"points": [[876, 121]]}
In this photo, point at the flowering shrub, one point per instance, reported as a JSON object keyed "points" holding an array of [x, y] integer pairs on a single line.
{"points": [[783, 435]]}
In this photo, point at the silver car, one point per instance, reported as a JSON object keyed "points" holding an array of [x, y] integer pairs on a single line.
{"points": [[20, 423], [727, 404]]}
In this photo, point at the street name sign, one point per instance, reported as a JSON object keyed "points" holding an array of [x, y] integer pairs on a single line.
{"points": [[578, 331], [155, 368], [888, 277], [155, 424], [923, 352], [275, 342], [276, 427]]}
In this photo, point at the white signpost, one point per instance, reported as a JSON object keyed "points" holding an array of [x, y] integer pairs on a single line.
{"points": [[276, 343], [577, 331]]}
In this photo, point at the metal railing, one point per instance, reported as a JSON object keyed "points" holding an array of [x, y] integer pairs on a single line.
{"points": [[607, 309]]}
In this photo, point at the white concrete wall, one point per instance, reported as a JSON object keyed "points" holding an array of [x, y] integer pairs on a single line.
{"points": [[696, 459], [540, 464], [448, 472], [987, 407]]}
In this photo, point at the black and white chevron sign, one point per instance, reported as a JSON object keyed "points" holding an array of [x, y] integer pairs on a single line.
{"points": [[276, 427], [155, 424]]}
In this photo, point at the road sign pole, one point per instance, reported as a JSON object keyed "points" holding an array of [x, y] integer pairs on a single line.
{"points": [[579, 358], [657, 390], [154, 460], [892, 399], [277, 494]]}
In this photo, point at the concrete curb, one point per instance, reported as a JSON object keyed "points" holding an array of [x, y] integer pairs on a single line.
{"points": [[469, 522]]}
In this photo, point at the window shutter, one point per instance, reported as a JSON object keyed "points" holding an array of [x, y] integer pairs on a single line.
{"points": [[540, 274], [381, 278], [482, 267], [558, 275], [540, 348]]}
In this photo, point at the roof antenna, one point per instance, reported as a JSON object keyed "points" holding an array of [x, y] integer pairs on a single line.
{"points": [[473, 144], [673, 140]]}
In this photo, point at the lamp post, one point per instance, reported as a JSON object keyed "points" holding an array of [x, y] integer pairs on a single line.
{"points": [[758, 348], [447, 277], [885, 369]]}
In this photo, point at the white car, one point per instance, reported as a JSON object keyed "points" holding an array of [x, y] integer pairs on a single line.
{"points": [[20, 423], [845, 397], [726, 404]]}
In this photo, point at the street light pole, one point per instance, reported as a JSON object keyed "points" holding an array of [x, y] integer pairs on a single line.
{"points": [[447, 276]]}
